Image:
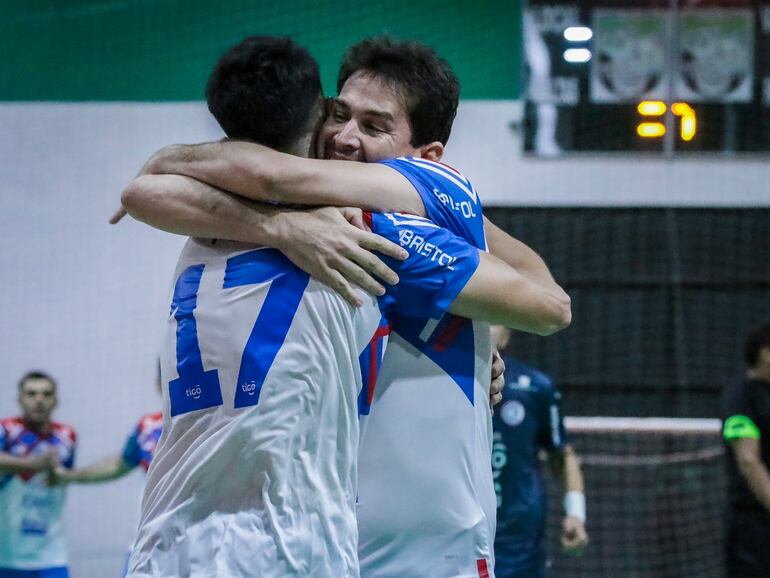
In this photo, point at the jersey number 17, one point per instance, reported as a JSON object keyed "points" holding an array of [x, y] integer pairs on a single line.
{"points": [[199, 388]]}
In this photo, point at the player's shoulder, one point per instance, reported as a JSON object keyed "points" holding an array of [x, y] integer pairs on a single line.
{"points": [[150, 421], [15, 421], [447, 178], [436, 167], [520, 375], [378, 221], [64, 432], [12, 425]]}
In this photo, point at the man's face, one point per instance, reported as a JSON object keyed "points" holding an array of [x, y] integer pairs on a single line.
{"points": [[367, 122], [37, 399]]}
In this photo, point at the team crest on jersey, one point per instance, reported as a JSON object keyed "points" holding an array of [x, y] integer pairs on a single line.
{"points": [[522, 382], [512, 413]]}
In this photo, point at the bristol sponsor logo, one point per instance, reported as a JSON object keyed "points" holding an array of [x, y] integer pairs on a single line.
{"points": [[465, 208], [409, 240], [194, 392], [249, 387]]}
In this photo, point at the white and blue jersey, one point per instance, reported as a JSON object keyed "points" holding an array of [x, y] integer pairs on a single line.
{"points": [[140, 445], [426, 498], [449, 198], [255, 471], [527, 420], [32, 539]]}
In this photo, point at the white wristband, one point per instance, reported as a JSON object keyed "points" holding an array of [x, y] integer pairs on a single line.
{"points": [[575, 505]]}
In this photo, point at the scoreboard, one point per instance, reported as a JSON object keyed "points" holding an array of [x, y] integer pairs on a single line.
{"points": [[659, 77]]}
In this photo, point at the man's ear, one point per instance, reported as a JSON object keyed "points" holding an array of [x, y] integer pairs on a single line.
{"points": [[431, 151]]}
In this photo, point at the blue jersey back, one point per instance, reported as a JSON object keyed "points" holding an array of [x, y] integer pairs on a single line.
{"points": [[527, 420], [440, 263], [450, 201], [449, 198], [426, 499]]}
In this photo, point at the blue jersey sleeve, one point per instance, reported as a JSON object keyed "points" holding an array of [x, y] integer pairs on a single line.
{"points": [[438, 267], [132, 451], [69, 463], [449, 198], [3, 438]]}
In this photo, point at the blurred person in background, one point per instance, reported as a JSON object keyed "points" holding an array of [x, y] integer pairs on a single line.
{"points": [[746, 415], [32, 543], [527, 421], [137, 451]]}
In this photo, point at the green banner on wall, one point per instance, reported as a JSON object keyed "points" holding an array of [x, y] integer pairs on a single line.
{"points": [[163, 50]]}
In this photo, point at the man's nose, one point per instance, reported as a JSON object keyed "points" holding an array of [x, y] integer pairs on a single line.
{"points": [[348, 138]]}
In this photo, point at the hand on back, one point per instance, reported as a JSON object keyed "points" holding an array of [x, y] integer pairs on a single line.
{"points": [[332, 245]]}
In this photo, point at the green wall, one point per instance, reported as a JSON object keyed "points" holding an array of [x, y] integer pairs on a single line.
{"points": [[162, 50]]}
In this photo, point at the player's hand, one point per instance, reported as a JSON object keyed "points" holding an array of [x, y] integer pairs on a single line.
{"points": [[59, 476], [147, 168], [45, 461], [117, 216], [574, 538], [324, 244], [498, 380], [355, 217]]}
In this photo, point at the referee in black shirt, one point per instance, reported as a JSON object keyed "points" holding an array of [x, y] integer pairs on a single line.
{"points": [[746, 415]]}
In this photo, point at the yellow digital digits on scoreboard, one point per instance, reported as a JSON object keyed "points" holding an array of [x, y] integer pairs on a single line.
{"points": [[654, 129]]}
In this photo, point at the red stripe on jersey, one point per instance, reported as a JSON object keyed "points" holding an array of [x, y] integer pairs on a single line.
{"points": [[368, 219], [481, 566], [451, 168], [150, 421], [62, 430], [450, 333], [373, 352], [374, 356]]}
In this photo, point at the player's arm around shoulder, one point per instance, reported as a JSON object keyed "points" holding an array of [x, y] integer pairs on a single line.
{"points": [[321, 242], [263, 174], [519, 255], [469, 282], [499, 294]]}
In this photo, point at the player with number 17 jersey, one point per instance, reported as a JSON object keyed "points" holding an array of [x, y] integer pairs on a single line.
{"points": [[255, 472], [426, 502]]}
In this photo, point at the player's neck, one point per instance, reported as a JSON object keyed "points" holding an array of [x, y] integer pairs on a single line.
{"points": [[38, 427]]}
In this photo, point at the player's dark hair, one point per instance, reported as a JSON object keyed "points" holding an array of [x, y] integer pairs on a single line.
{"points": [[755, 341], [36, 374], [429, 86], [263, 90]]}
